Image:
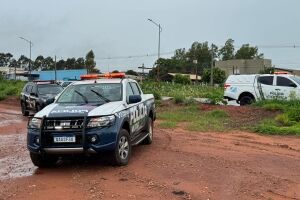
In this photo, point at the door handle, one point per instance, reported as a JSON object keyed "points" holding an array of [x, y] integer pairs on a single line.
{"points": [[277, 89]]}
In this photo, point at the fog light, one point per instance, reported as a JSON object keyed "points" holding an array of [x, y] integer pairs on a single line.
{"points": [[37, 140], [93, 139]]}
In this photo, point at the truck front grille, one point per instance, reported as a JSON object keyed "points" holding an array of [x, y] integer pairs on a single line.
{"points": [[62, 124]]}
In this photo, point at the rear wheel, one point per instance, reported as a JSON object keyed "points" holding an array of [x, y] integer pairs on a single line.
{"points": [[246, 100], [23, 109], [43, 160], [122, 151], [149, 138]]}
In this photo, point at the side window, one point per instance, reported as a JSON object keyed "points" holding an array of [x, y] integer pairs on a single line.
{"points": [[129, 91], [282, 81], [135, 88], [266, 80]]}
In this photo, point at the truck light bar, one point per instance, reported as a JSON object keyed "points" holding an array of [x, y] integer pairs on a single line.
{"points": [[98, 76], [281, 73]]}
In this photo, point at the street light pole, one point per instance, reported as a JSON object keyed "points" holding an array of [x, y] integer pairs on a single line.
{"points": [[158, 53], [30, 45]]}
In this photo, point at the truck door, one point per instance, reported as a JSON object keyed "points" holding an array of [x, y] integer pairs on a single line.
{"points": [[285, 88], [265, 87], [137, 110], [27, 94]]}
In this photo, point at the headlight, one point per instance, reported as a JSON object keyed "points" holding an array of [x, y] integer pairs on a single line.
{"points": [[101, 121], [34, 123]]}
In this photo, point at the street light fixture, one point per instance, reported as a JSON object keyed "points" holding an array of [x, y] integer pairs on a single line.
{"points": [[30, 45], [158, 53]]}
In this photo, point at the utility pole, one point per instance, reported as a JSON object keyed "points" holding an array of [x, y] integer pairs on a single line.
{"points": [[212, 67], [30, 45], [143, 70], [196, 62], [55, 68], [158, 52]]}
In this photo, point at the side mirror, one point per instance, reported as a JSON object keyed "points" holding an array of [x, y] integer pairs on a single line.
{"points": [[49, 101], [293, 85], [32, 94], [134, 99]]}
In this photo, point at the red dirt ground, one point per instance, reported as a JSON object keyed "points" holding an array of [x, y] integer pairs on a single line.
{"points": [[178, 165]]}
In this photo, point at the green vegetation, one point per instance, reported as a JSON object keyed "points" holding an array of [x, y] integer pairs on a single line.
{"points": [[180, 91], [182, 79], [286, 123], [10, 88], [195, 119]]}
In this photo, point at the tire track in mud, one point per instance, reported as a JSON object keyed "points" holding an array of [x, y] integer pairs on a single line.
{"points": [[14, 158]]}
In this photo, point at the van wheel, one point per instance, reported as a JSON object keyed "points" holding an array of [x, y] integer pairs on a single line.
{"points": [[246, 100], [149, 138], [122, 150], [43, 160], [23, 109]]}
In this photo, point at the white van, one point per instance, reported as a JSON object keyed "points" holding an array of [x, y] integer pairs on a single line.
{"points": [[246, 89]]}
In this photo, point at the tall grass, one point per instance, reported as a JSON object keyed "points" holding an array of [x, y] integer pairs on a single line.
{"points": [[286, 123], [187, 91], [10, 88]]}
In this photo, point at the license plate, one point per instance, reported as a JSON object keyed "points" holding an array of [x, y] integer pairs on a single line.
{"points": [[64, 139]]}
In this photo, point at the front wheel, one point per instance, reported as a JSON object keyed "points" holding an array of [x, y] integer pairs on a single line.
{"points": [[23, 109], [43, 160], [122, 151]]}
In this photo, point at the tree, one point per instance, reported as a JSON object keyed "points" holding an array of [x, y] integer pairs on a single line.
{"points": [[115, 71], [248, 52], [23, 62], [61, 64], [227, 51], [182, 79], [131, 72], [219, 76], [90, 62], [70, 63], [38, 63], [79, 64], [5, 59], [48, 63]]}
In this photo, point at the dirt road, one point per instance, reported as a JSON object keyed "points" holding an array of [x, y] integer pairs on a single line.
{"points": [[178, 165]]}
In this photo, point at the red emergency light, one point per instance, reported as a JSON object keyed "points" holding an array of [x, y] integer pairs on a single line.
{"points": [[98, 76]]}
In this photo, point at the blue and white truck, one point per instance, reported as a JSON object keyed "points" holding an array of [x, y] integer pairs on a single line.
{"points": [[92, 116]]}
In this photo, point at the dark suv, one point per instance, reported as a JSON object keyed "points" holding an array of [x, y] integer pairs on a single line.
{"points": [[38, 94]]}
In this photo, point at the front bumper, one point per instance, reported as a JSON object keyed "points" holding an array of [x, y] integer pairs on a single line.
{"points": [[106, 140]]}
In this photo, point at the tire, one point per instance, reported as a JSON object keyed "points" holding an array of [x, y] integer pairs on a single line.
{"points": [[38, 108], [246, 100], [23, 109], [122, 151], [43, 160], [148, 140]]}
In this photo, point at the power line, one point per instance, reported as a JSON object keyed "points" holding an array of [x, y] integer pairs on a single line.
{"points": [[172, 52]]}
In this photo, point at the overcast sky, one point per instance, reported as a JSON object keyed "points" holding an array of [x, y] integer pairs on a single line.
{"points": [[112, 28]]}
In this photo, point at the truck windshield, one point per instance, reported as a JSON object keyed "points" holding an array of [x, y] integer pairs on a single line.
{"points": [[296, 78], [49, 89], [92, 93]]}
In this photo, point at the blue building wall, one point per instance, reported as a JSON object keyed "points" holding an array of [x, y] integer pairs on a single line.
{"points": [[61, 74]]}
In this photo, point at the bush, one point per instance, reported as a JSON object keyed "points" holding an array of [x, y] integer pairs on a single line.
{"points": [[156, 95], [10, 88], [182, 79], [219, 76], [179, 99]]}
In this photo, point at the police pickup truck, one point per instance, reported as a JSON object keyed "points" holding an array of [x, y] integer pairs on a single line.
{"points": [[92, 116], [246, 89]]}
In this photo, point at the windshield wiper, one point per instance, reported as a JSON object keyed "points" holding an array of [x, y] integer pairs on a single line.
{"points": [[83, 97], [101, 96]]}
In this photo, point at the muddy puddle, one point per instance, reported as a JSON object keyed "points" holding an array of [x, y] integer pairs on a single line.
{"points": [[14, 159]]}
